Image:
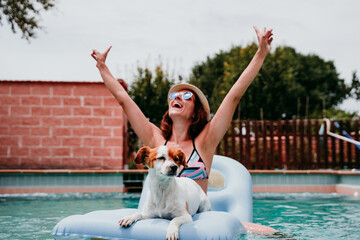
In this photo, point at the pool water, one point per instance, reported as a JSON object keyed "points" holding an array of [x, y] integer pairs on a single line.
{"points": [[308, 215], [296, 216]]}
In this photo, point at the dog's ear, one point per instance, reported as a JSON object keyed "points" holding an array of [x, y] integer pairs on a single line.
{"points": [[142, 156], [180, 155]]}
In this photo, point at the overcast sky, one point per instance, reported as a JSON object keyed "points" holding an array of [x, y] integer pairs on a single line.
{"points": [[176, 33]]}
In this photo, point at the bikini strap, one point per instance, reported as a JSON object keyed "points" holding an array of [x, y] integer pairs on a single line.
{"points": [[193, 141], [166, 142]]}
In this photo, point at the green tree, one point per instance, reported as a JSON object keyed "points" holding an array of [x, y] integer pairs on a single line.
{"points": [[336, 113], [24, 14], [355, 86], [285, 84], [149, 90]]}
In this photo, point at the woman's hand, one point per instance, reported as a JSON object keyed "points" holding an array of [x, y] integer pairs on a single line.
{"points": [[100, 57], [264, 39]]}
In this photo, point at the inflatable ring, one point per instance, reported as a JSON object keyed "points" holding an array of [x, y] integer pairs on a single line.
{"points": [[230, 194]]}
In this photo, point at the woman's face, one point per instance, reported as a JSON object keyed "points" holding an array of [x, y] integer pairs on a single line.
{"points": [[180, 107]]}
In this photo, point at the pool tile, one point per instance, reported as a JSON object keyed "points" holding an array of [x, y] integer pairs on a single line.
{"points": [[100, 180]]}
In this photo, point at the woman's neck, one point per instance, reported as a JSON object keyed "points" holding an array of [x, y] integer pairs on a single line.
{"points": [[180, 131]]}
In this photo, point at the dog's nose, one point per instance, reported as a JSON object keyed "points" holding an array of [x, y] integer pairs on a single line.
{"points": [[173, 168]]}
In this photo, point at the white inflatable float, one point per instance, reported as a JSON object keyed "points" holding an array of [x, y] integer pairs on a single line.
{"points": [[230, 194]]}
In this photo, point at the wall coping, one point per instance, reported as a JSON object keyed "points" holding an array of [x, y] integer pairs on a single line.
{"points": [[329, 171], [71, 171], [47, 81], [82, 171]]}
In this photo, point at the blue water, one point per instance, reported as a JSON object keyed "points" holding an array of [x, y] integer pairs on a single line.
{"points": [[308, 215], [296, 216]]}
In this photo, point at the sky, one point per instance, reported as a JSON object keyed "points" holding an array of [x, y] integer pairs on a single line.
{"points": [[177, 34]]}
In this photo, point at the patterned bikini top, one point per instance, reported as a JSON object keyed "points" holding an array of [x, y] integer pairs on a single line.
{"points": [[196, 167]]}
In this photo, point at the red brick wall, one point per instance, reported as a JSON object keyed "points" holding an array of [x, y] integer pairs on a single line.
{"points": [[59, 125]]}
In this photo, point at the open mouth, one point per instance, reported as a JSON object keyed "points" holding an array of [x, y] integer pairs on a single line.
{"points": [[177, 105]]}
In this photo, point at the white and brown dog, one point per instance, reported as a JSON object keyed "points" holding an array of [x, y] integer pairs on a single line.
{"points": [[169, 197]]}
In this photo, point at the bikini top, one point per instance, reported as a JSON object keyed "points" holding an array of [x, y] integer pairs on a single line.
{"points": [[196, 167]]}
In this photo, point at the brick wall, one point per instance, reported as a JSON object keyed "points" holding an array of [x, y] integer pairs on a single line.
{"points": [[52, 125]]}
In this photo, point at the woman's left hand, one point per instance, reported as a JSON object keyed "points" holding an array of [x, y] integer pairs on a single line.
{"points": [[264, 39], [100, 57]]}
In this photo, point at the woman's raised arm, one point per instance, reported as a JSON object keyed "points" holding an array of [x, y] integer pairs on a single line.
{"points": [[149, 134], [217, 127]]}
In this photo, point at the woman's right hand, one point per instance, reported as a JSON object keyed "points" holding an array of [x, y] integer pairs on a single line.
{"points": [[100, 57], [264, 38]]}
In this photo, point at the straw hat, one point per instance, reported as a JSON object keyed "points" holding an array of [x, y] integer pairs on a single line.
{"points": [[197, 91]]}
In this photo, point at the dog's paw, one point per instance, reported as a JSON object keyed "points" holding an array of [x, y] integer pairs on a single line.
{"points": [[172, 233], [127, 221]]}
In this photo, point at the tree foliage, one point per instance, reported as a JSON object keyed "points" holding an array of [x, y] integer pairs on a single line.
{"points": [[24, 14], [355, 87], [289, 83], [149, 91]]}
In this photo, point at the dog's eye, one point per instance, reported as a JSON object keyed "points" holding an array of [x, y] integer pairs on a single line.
{"points": [[176, 159], [161, 158]]}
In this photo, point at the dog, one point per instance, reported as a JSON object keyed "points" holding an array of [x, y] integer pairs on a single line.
{"points": [[169, 197]]}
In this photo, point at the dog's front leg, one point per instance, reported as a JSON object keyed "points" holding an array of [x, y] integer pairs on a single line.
{"points": [[172, 232], [127, 221]]}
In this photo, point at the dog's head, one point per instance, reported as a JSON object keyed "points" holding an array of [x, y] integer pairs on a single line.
{"points": [[165, 161]]}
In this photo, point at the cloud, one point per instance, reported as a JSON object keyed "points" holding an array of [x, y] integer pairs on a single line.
{"points": [[181, 32]]}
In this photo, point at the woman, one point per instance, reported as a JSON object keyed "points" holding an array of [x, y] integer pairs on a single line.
{"points": [[186, 125]]}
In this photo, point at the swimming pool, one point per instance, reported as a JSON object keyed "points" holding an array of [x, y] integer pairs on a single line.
{"points": [[297, 216]]}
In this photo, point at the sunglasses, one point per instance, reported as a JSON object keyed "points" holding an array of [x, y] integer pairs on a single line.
{"points": [[185, 95]]}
